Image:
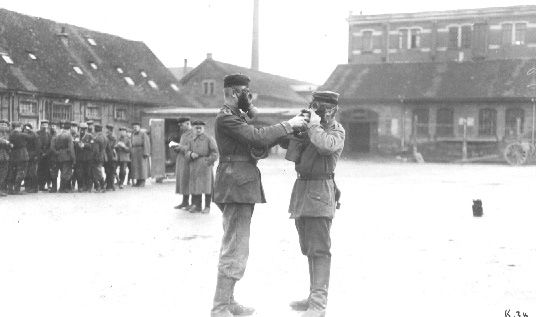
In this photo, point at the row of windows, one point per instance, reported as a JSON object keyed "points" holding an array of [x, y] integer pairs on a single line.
{"points": [[487, 122], [64, 111], [459, 36]]}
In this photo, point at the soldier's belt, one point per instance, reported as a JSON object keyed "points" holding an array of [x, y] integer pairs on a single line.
{"points": [[235, 158], [306, 176]]}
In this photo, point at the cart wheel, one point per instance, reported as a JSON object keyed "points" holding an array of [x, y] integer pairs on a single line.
{"points": [[515, 154]]}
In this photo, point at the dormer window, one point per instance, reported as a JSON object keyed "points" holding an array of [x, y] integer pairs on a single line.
{"points": [[119, 70], [129, 81], [6, 58], [143, 74], [78, 70], [32, 56], [152, 84], [91, 41], [174, 87], [93, 65]]}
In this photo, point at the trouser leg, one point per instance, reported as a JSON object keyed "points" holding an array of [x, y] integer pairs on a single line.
{"points": [[208, 200], [54, 171], [19, 174], [43, 173], [4, 171], [185, 200], [122, 172], [98, 178], [30, 181], [109, 168]]}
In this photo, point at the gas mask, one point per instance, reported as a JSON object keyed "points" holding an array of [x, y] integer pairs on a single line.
{"points": [[245, 103], [324, 110]]}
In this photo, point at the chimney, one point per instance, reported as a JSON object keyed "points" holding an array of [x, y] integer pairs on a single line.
{"points": [[209, 55], [64, 36], [255, 44], [185, 68]]}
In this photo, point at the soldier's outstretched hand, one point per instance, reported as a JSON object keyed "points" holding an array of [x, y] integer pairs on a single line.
{"points": [[315, 119], [298, 121]]}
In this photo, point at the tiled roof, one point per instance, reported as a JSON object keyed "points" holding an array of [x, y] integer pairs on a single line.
{"points": [[482, 80], [264, 84], [53, 71]]}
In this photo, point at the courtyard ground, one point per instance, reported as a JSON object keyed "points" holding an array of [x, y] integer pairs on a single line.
{"points": [[405, 243]]}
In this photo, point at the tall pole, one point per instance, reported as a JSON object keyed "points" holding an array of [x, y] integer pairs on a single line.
{"points": [[255, 39]]}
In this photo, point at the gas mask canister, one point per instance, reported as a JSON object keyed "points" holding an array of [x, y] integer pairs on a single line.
{"points": [[245, 102]]}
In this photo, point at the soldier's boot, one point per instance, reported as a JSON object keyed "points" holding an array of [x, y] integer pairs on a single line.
{"points": [[237, 309], [303, 305], [62, 186], [318, 299], [222, 297], [54, 186]]}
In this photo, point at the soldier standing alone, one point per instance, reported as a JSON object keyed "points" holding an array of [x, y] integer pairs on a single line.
{"points": [[182, 168], [237, 186], [139, 155]]}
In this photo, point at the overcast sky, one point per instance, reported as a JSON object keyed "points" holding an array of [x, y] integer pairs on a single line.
{"points": [[301, 39]]}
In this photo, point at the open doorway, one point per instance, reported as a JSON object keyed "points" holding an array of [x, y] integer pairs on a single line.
{"points": [[361, 127]]}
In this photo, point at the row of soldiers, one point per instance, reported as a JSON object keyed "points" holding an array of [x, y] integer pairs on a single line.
{"points": [[83, 156]]}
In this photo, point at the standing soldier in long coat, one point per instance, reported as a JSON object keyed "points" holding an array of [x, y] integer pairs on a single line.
{"points": [[83, 153], [313, 201], [34, 152], [201, 155], [53, 165], [5, 148], [66, 157], [139, 155], [98, 157], [122, 148], [110, 167], [182, 168], [76, 165], [18, 159], [43, 169], [237, 185]]}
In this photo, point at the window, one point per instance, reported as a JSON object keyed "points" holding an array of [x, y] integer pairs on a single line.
{"points": [[7, 59], [93, 65], [520, 30], [129, 81], [93, 112], [466, 36], [208, 87], [415, 39], [507, 33], [487, 122], [421, 119], [480, 45], [174, 87], [453, 37], [403, 39], [119, 70], [58, 112], [445, 122], [366, 41], [514, 116], [78, 70], [143, 74], [32, 56], [91, 41], [121, 114], [27, 108], [152, 84]]}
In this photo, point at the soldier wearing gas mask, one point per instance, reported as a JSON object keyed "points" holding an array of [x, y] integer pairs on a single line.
{"points": [[315, 152], [237, 185]]}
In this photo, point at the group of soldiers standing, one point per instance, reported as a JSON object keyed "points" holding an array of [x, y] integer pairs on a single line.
{"points": [[82, 155]]}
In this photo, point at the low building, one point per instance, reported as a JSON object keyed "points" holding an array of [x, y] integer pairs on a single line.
{"points": [[56, 71]]}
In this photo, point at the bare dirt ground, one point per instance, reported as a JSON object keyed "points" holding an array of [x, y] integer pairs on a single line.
{"points": [[404, 244]]}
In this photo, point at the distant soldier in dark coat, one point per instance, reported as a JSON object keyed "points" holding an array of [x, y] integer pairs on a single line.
{"points": [[5, 148], [122, 147], [76, 166], [201, 155], [82, 149], [182, 168], [66, 156], [110, 166], [237, 185], [53, 164], [98, 157], [43, 169], [34, 153], [18, 160], [313, 201], [139, 155]]}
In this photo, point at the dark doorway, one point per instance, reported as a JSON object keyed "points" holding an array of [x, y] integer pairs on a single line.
{"points": [[360, 140]]}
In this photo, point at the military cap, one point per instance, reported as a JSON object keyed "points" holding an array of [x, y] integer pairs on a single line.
{"points": [[183, 119], [136, 123], [29, 125], [53, 122], [89, 122], [235, 80], [44, 121], [122, 129], [198, 122], [16, 124], [110, 126], [98, 127], [83, 125], [74, 124], [326, 96]]}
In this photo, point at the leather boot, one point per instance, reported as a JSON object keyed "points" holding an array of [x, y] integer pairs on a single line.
{"points": [[235, 308], [318, 299], [303, 305], [222, 297], [54, 187]]}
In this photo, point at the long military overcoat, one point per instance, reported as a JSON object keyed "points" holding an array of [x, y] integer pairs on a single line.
{"points": [[201, 168], [182, 168], [322, 149], [239, 181], [123, 148], [140, 146], [19, 152]]}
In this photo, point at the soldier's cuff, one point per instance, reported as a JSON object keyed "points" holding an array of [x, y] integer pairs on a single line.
{"points": [[287, 127]]}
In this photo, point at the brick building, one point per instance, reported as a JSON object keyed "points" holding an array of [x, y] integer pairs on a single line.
{"points": [[56, 71], [417, 78]]}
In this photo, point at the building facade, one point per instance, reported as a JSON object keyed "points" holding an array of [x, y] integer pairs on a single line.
{"points": [[55, 71]]}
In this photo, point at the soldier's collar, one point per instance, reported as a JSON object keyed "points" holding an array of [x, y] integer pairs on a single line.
{"points": [[236, 112]]}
